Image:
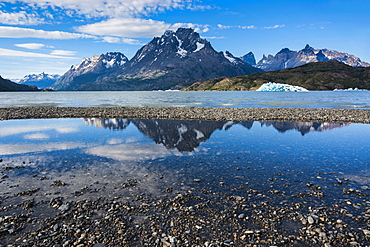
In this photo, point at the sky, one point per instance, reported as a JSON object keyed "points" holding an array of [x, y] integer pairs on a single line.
{"points": [[50, 36]]}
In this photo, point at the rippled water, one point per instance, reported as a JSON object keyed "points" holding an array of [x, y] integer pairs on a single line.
{"points": [[313, 99]]}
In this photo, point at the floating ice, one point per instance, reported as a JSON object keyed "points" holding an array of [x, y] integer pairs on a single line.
{"points": [[279, 87], [351, 89]]}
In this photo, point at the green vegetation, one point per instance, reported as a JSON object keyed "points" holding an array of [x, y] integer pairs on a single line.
{"points": [[313, 76]]}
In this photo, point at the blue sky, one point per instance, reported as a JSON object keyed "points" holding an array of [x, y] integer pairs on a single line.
{"points": [[49, 36]]}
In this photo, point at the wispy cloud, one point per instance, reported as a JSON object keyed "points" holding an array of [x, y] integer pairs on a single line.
{"points": [[30, 148], [15, 53], [20, 18], [213, 37], [220, 26], [274, 27], [37, 136], [17, 32], [31, 46], [118, 40], [63, 53]]}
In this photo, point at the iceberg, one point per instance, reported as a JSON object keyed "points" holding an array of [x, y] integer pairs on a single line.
{"points": [[280, 87]]}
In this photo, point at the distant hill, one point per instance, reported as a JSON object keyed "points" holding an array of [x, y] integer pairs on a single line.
{"points": [[327, 75], [41, 80], [9, 86]]}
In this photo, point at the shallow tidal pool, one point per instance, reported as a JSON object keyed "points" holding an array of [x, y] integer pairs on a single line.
{"points": [[142, 182]]}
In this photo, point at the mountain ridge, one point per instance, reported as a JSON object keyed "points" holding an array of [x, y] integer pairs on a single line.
{"points": [[287, 58]]}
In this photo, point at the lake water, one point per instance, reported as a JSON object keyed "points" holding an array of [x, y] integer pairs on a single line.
{"points": [[252, 171], [313, 99]]}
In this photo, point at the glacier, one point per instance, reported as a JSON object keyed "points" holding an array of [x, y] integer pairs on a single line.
{"points": [[280, 87]]}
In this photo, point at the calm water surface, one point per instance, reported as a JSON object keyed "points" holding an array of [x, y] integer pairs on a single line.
{"points": [[313, 99], [275, 173], [112, 150]]}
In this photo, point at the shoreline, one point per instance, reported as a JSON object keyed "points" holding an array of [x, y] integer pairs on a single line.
{"points": [[192, 113]]}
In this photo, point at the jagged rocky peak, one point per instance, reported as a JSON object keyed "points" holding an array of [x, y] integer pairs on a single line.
{"points": [[172, 44], [308, 50], [249, 58], [285, 50], [96, 63]]}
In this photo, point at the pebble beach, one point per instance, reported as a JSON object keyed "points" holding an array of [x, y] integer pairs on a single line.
{"points": [[60, 211], [191, 113]]}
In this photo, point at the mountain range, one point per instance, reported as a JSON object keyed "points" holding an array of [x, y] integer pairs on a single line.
{"points": [[9, 86], [287, 58], [180, 58], [41, 80], [327, 75], [173, 61], [186, 135]]}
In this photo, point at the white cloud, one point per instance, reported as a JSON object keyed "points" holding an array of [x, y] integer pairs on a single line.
{"points": [[274, 27], [20, 18], [248, 27], [220, 26], [17, 32], [31, 46], [112, 8], [10, 149], [223, 26], [14, 53], [213, 37], [133, 27], [126, 27], [23, 129], [197, 27], [118, 40], [131, 152], [37, 136], [63, 53]]}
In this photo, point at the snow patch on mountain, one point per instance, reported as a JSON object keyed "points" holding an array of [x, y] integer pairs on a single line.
{"points": [[182, 52], [280, 87], [200, 46], [228, 57]]}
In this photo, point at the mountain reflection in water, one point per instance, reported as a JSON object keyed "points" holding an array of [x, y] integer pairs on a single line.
{"points": [[186, 135]]}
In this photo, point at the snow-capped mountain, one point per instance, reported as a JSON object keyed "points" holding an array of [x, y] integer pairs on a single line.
{"points": [[42, 80], [186, 135], [287, 58], [303, 127], [89, 69], [179, 58], [172, 61]]}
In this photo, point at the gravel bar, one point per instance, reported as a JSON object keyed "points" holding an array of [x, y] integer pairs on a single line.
{"points": [[191, 113]]}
